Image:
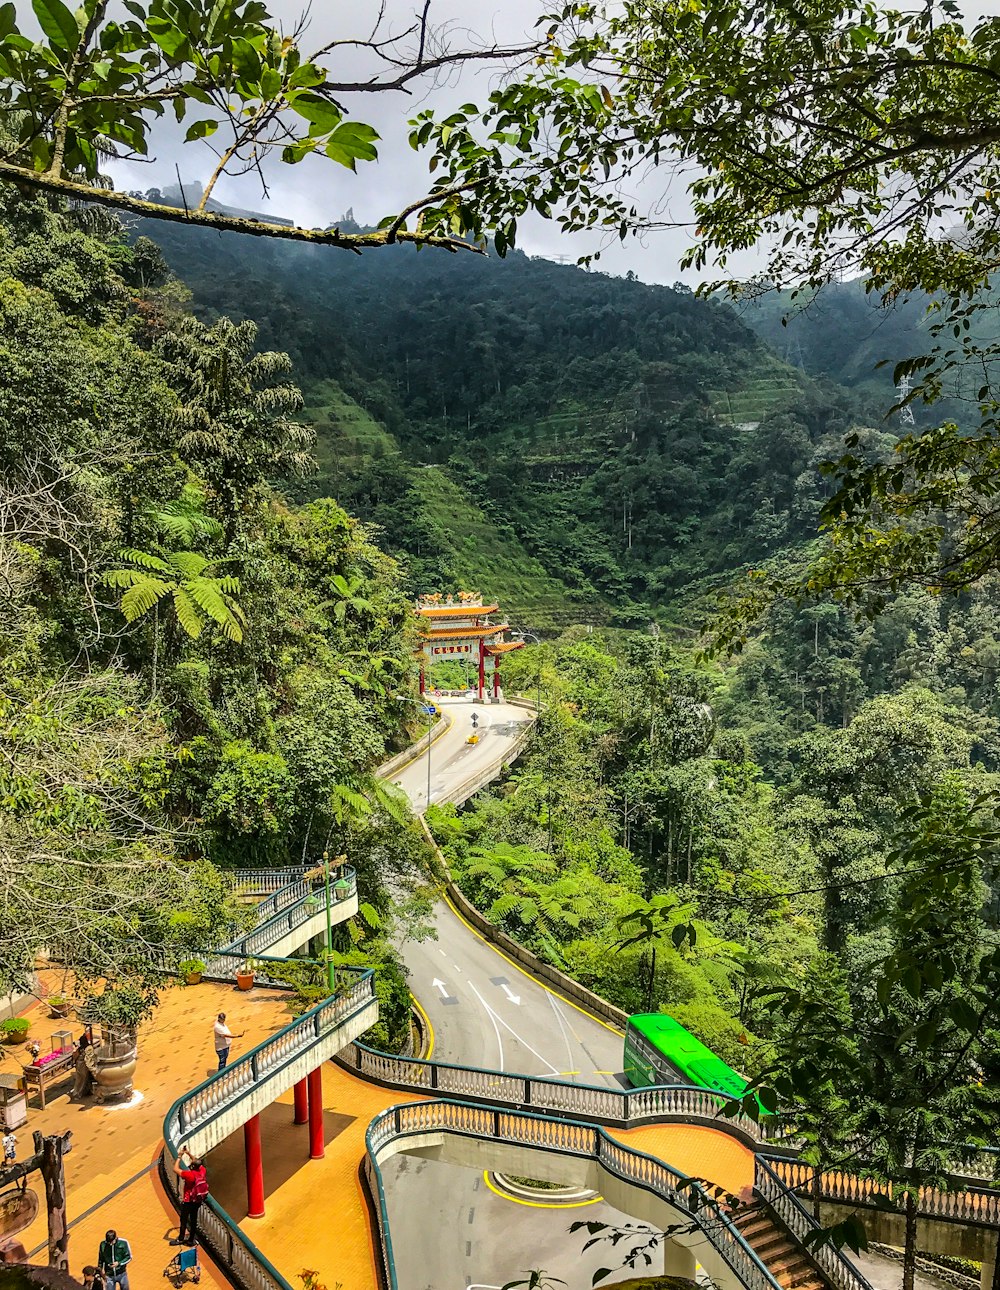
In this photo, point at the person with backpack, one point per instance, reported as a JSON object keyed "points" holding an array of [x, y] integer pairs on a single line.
{"points": [[195, 1178]]}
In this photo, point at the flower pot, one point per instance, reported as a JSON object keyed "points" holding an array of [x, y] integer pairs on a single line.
{"points": [[113, 1064], [244, 980], [59, 1009], [14, 1038], [193, 978]]}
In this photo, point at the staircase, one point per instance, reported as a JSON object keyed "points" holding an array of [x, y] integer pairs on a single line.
{"points": [[784, 1257]]}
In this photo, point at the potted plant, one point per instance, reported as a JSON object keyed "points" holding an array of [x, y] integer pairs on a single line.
{"points": [[191, 970], [119, 1010], [14, 1030], [244, 975], [58, 1005]]}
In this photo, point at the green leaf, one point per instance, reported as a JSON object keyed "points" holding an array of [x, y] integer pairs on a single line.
{"points": [[200, 130], [353, 141], [8, 20], [58, 23], [322, 115], [142, 596]]}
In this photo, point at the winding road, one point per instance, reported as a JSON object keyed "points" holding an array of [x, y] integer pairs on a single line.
{"points": [[486, 1011]]}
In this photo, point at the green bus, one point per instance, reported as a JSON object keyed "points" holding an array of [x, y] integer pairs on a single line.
{"points": [[658, 1049]]}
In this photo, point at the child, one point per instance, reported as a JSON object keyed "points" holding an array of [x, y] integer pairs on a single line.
{"points": [[9, 1147]]}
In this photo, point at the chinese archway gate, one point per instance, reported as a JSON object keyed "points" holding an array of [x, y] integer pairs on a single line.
{"points": [[463, 626]]}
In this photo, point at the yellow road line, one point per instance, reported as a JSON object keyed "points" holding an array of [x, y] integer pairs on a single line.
{"points": [[524, 972], [537, 1204], [427, 1022]]}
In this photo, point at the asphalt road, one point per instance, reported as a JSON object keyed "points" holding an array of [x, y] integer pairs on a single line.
{"points": [[449, 1228]]}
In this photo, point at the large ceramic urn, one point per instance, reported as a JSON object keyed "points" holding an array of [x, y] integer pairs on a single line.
{"points": [[112, 1063]]}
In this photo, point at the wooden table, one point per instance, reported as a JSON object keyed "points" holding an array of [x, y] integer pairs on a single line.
{"points": [[56, 1069]]}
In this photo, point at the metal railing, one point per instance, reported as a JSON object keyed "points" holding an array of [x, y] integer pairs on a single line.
{"points": [[558, 1136], [244, 1263], [224, 1088], [265, 879], [293, 907], [622, 1108], [834, 1265], [965, 1204]]}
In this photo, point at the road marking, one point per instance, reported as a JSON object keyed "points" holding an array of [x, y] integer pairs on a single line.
{"points": [[514, 998], [438, 984], [534, 980], [562, 1026], [495, 1016], [427, 1022], [537, 1204], [489, 1011]]}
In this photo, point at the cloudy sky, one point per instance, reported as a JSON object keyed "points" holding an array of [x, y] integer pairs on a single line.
{"points": [[317, 192]]}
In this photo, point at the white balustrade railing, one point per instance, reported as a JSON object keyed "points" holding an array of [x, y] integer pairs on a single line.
{"points": [[564, 1137], [836, 1267], [621, 1107], [228, 1086], [960, 1202], [265, 879]]}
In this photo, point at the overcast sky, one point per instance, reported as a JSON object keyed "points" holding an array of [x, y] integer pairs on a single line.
{"points": [[317, 192]]}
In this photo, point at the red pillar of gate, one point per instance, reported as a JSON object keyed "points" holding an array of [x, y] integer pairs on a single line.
{"points": [[316, 1145], [301, 1103], [482, 670], [422, 676], [496, 681], [255, 1168]]}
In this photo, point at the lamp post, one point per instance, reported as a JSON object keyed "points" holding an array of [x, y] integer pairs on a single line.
{"points": [[330, 974], [405, 698]]}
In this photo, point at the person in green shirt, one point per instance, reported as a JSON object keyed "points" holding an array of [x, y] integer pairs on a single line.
{"points": [[113, 1259]]}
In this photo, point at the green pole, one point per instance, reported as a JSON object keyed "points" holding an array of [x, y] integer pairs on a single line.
{"points": [[330, 980]]}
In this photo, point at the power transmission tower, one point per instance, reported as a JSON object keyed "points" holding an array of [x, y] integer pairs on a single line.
{"points": [[906, 411]]}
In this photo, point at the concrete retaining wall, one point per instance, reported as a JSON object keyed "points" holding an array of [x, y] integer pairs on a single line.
{"points": [[315, 926], [537, 967]]}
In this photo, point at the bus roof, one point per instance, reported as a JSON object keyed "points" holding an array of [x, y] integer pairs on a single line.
{"points": [[688, 1053]]}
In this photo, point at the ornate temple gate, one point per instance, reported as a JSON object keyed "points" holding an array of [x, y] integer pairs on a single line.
{"points": [[464, 626]]}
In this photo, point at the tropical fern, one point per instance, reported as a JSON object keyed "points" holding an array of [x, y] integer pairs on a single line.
{"points": [[198, 597]]}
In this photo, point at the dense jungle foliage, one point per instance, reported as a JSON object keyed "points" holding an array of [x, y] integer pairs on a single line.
{"points": [[612, 442], [196, 673]]}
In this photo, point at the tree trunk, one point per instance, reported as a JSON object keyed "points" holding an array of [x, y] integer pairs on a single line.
{"points": [[910, 1242], [51, 1168], [652, 980]]}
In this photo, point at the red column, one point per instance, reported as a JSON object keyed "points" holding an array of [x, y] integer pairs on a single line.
{"points": [[421, 676], [316, 1144], [301, 1103], [482, 669], [496, 681], [255, 1168]]}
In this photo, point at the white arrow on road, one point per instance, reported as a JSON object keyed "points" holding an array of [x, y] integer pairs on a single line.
{"points": [[440, 985], [514, 998]]}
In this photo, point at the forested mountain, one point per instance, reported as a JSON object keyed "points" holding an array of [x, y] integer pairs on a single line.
{"points": [[590, 445], [845, 335]]}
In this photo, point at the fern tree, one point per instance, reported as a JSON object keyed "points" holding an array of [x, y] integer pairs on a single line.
{"points": [[199, 597], [234, 420]]}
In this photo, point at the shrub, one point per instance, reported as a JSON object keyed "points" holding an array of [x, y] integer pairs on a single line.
{"points": [[15, 1027]]}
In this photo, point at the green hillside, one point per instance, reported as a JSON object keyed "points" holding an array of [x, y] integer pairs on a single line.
{"points": [[597, 443]]}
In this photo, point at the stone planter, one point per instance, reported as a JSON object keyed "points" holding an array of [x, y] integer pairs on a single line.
{"points": [[113, 1064], [193, 978]]}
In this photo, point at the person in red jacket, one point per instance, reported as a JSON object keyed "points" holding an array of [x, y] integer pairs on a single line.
{"points": [[195, 1178]]}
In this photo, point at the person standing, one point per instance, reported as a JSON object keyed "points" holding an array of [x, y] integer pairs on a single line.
{"points": [[84, 1075], [195, 1177], [113, 1259], [9, 1147], [224, 1039]]}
